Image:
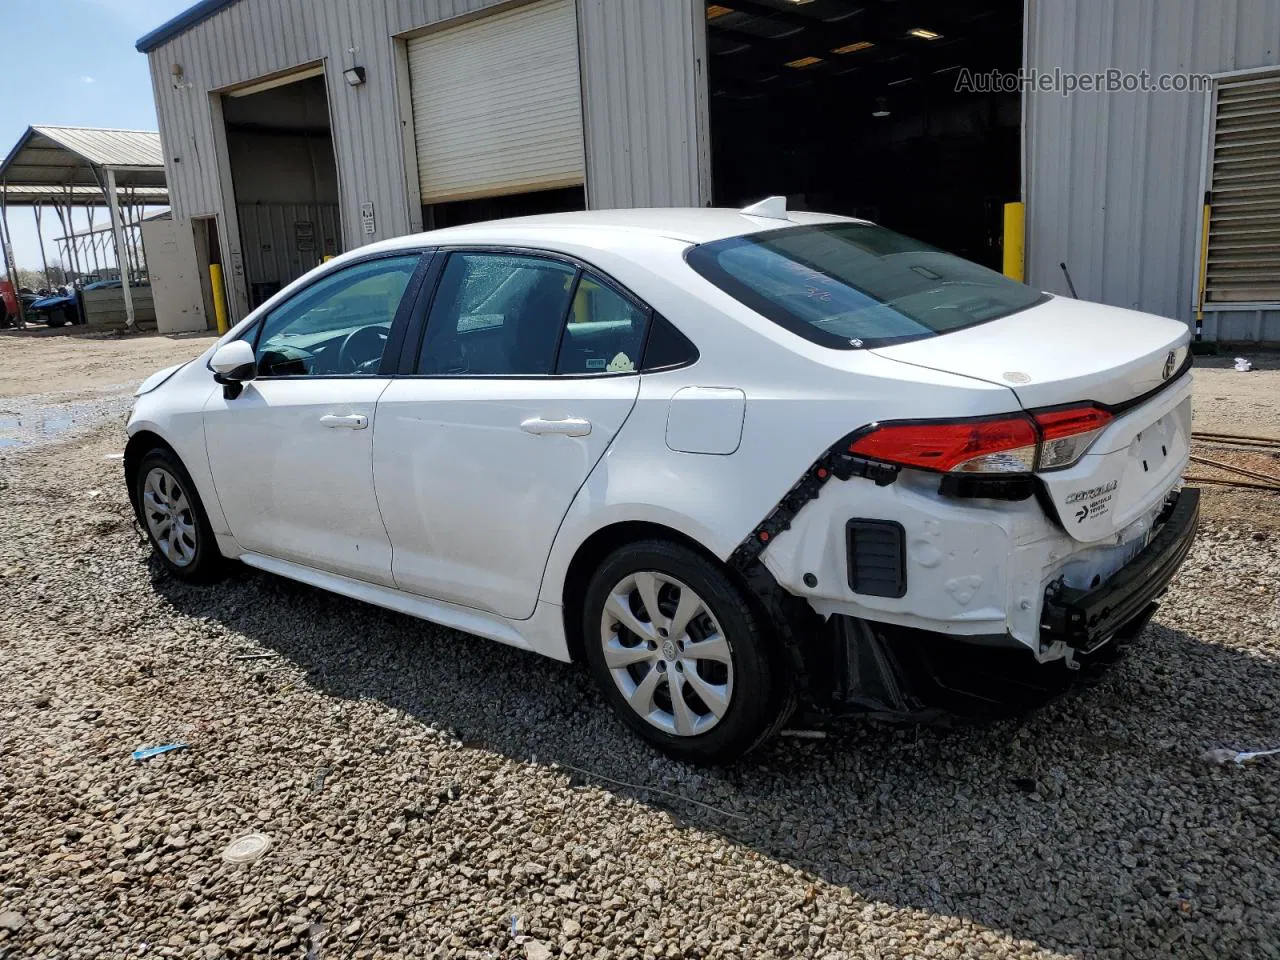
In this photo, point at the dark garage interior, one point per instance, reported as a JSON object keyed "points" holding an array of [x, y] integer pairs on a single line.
{"points": [[285, 180], [851, 107], [457, 212]]}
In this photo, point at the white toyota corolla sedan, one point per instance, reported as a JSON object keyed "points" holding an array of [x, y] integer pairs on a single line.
{"points": [[735, 461]]}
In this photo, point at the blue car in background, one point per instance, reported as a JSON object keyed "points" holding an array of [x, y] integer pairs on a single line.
{"points": [[57, 310], [62, 309]]}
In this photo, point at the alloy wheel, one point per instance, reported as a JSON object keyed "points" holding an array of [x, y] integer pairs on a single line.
{"points": [[169, 518], [666, 653]]}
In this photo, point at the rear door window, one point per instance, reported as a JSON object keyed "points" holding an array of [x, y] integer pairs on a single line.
{"points": [[523, 315], [848, 285], [605, 332], [496, 315]]}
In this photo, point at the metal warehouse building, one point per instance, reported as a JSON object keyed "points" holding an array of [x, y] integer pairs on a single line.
{"points": [[296, 129]]}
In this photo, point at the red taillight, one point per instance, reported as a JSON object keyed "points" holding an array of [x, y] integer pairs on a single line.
{"points": [[1067, 433], [1047, 440], [1055, 424], [1001, 445]]}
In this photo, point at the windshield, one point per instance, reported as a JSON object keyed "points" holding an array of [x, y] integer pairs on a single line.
{"points": [[849, 285]]}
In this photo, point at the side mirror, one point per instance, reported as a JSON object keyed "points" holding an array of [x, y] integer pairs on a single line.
{"points": [[233, 365]]}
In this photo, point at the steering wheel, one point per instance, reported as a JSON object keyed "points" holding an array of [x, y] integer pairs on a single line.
{"points": [[361, 348]]}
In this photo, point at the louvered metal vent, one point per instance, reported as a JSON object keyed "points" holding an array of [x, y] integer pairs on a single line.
{"points": [[877, 561], [1244, 225]]}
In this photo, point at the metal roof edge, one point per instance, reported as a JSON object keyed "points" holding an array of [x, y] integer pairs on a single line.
{"points": [[180, 24], [17, 148], [95, 152]]}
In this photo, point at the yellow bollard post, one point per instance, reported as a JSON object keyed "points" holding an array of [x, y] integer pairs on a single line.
{"points": [[1205, 216], [219, 297], [1015, 223], [1202, 276]]}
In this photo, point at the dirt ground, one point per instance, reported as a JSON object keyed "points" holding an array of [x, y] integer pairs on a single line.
{"points": [[1226, 401], [76, 363], [1231, 402]]}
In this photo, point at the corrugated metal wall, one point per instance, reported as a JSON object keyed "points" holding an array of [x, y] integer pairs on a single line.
{"points": [[642, 68], [1113, 179], [641, 65], [282, 241]]}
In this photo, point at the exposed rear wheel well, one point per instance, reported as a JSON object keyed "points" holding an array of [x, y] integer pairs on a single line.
{"points": [[593, 552]]}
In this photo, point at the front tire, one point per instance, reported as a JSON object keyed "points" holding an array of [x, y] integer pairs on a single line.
{"points": [[681, 654], [171, 513]]}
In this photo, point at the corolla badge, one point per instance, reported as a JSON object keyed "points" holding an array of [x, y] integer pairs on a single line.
{"points": [[1169, 362]]}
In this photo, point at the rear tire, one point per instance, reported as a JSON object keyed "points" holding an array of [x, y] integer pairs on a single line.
{"points": [[174, 519], [705, 683]]}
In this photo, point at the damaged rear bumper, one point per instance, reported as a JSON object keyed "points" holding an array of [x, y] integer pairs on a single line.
{"points": [[906, 673], [1084, 619]]}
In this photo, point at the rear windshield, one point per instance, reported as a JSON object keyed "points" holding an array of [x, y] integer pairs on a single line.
{"points": [[849, 285]]}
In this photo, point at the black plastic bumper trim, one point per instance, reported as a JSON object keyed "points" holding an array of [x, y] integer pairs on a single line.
{"points": [[837, 464], [877, 558], [1085, 618]]}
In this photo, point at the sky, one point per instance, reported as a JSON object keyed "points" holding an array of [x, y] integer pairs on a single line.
{"points": [[73, 63]]}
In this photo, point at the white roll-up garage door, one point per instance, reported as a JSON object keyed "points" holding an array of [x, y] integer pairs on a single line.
{"points": [[497, 104]]}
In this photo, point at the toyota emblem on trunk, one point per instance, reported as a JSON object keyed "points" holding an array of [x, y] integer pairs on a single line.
{"points": [[1169, 361]]}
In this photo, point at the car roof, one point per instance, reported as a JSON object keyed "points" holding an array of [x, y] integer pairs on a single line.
{"points": [[687, 224]]}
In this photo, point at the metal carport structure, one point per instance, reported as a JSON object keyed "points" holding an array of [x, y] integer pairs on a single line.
{"points": [[68, 167], [83, 245]]}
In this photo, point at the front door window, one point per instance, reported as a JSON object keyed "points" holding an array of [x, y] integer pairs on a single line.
{"points": [[338, 326]]}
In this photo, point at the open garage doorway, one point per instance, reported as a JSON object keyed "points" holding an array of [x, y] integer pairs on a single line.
{"points": [[853, 108], [284, 177]]}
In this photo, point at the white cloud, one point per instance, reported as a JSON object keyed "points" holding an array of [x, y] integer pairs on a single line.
{"points": [[87, 79]]}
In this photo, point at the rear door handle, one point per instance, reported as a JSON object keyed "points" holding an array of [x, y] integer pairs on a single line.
{"points": [[568, 427], [356, 421]]}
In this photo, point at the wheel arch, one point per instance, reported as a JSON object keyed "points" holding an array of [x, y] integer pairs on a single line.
{"points": [[604, 541], [139, 445], [146, 434]]}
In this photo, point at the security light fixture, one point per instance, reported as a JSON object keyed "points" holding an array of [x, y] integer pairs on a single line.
{"points": [[354, 75], [882, 108], [921, 33], [854, 47], [803, 62]]}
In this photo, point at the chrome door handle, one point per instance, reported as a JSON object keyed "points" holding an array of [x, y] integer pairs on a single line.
{"points": [[568, 427], [356, 421]]}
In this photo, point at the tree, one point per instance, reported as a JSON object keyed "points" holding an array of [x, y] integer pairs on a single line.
{"points": [[58, 274], [35, 279], [32, 279]]}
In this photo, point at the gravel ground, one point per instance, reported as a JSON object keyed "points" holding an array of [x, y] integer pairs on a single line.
{"points": [[416, 787]]}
